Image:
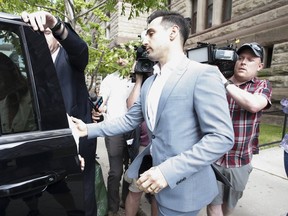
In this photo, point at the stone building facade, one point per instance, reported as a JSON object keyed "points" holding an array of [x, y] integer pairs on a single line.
{"points": [[222, 22], [263, 21], [122, 29]]}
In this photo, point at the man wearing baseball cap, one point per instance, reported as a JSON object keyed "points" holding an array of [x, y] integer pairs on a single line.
{"points": [[254, 47], [247, 97]]}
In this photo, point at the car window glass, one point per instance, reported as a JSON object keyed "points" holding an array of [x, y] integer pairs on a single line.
{"points": [[17, 113]]}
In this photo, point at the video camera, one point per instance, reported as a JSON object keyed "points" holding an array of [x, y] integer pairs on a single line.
{"points": [[143, 65], [224, 57]]}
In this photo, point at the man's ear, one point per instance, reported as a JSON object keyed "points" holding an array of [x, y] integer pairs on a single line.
{"points": [[174, 32], [260, 66]]}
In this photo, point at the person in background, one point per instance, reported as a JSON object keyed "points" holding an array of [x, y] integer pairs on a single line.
{"points": [[70, 56], [284, 141], [185, 108], [132, 204], [247, 97], [115, 90]]}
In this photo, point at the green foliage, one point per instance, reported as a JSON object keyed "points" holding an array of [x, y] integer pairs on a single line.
{"points": [[88, 18], [124, 51], [138, 6], [17, 6]]}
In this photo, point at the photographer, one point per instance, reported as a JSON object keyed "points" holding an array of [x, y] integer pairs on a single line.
{"points": [[140, 140], [115, 90], [247, 97]]}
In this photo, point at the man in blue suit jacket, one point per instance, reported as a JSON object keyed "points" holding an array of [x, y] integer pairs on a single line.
{"points": [[186, 111], [70, 56]]}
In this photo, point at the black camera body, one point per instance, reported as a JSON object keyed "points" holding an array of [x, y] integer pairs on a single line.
{"points": [[224, 57], [144, 64]]}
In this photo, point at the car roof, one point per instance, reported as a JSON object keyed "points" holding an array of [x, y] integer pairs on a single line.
{"points": [[9, 16], [12, 18]]}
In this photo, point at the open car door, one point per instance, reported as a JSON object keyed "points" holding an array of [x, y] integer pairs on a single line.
{"points": [[37, 149]]}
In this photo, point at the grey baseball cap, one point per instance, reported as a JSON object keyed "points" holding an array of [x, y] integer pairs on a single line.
{"points": [[255, 47]]}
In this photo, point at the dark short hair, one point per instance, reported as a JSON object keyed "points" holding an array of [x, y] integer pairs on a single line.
{"points": [[170, 18]]}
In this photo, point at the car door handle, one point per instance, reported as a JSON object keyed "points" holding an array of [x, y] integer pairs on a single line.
{"points": [[38, 183]]}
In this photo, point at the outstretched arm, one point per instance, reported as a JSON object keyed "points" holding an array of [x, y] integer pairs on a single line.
{"points": [[80, 127]]}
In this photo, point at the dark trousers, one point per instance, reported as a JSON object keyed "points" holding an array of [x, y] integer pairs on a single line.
{"points": [[118, 159], [286, 162], [87, 149], [4, 202]]}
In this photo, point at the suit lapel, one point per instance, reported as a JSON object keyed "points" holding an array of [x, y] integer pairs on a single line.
{"points": [[170, 85], [147, 89]]}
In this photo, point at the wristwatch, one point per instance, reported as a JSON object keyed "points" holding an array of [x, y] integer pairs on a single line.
{"points": [[228, 83], [57, 25], [56, 28]]}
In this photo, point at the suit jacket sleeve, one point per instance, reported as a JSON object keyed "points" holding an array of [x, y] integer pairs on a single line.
{"points": [[115, 126], [76, 49]]}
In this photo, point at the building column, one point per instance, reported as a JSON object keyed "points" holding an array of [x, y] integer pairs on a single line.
{"points": [[201, 15], [217, 12]]}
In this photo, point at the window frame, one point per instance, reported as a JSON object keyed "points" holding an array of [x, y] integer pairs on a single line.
{"points": [[209, 14], [227, 10], [17, 46]]}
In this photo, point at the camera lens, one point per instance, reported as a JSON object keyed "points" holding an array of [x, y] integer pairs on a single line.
{"points": [[146, 66]]}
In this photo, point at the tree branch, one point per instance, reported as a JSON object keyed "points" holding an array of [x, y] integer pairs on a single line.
{"points": [[91, 9], [99, 62], [50, 9]]}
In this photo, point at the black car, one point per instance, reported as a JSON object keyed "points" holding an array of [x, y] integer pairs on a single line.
{"points": [[38, 154]]}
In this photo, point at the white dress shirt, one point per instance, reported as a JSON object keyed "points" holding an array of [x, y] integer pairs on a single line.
{"points": [[162, 75], [156, 89]]}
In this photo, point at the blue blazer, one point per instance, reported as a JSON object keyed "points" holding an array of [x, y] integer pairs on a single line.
{"points": [[193, 129]]}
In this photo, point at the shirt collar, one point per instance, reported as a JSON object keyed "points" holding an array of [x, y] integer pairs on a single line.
{"points": [[168, 66], [253, 80], [157, 70], [55, 53]]}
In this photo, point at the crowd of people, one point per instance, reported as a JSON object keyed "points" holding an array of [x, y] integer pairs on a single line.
{"points": [[166, 99], [176, 165], [190, 117]]}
